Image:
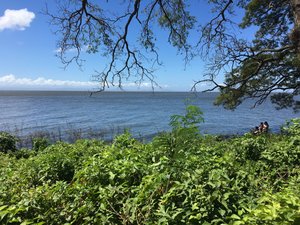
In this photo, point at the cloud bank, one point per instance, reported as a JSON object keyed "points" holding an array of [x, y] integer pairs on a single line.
{"points": [[16, 19], [13, 82]]}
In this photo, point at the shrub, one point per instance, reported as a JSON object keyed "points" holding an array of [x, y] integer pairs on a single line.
{"points": [[292, 127], [23, 153], [7, 142], [178, 178], [40, 143]]}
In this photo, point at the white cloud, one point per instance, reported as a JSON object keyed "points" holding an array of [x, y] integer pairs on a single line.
{"points": [[12, 81], [85, 48], [133, 84], [16, 19]]}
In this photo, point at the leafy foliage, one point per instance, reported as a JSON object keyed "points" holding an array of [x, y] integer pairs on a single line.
{"points": [[192, 117], [256, 67], [7, 142], [292, 127], [40, 143], [178, 178]]}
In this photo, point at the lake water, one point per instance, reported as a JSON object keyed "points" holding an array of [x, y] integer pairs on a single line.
{"points": [[144, 113]]}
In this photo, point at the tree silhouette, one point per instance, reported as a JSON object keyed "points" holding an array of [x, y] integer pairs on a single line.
{"points": [[259, 67]]}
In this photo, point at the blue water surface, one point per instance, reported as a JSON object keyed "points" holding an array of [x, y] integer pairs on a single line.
{"points": [[144, 113]]}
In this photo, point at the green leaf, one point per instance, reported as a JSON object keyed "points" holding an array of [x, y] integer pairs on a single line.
{"points": [[234, 216]]}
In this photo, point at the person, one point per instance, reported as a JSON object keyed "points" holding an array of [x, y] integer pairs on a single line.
{"points": [[256, 130], [261, 127], [265, 127]]}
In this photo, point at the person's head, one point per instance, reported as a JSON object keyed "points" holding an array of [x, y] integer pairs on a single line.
{"points": [[266, 123]]}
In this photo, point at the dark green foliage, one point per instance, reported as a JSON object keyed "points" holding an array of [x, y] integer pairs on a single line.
{"points": [[292, 127], [7, 142], [39, 144], [266, 64], [175, 179], [22, 153], [191, 119], [253, 147]]}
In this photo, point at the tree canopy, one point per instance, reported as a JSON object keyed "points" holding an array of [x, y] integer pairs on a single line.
{"points": [[258, 67]]}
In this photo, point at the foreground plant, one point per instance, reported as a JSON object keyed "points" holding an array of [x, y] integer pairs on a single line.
{"points": [[175, 179], [7, 142]]}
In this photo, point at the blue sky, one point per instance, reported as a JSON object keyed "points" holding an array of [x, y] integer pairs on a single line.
{"points": [[28, 59]]}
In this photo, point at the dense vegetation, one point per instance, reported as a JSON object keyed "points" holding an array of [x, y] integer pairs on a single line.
{"points": [[180, 177]]}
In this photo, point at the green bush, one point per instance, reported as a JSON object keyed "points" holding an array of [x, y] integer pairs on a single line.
{"points": [[292, 127], [40, 143], [23, 153], [7, 142], [174, 179]]}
